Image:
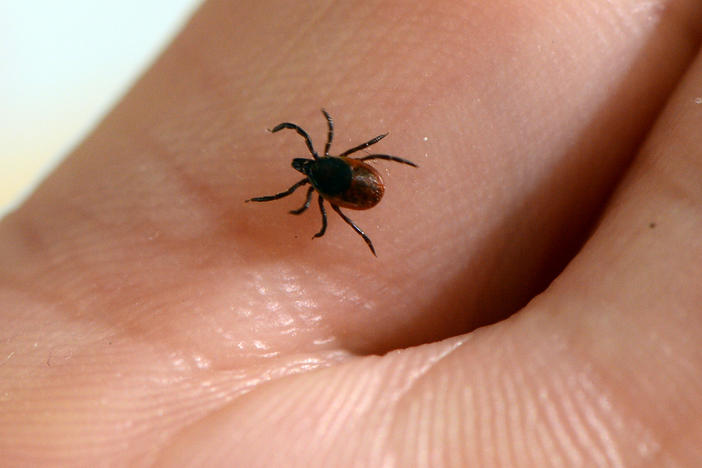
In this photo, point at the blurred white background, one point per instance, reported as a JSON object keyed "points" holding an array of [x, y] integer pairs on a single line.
{"points": [[62, 66]]}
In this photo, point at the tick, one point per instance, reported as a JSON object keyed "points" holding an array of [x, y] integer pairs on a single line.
{"points": [[340, 180]]}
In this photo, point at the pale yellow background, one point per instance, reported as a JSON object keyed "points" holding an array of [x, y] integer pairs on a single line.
{"points": [[62, 65]]}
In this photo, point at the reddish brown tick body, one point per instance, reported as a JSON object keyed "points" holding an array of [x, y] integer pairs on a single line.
{"points": [[340, 180]]}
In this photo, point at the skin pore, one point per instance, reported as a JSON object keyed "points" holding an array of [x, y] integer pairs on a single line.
{"points": [[535, 300]]}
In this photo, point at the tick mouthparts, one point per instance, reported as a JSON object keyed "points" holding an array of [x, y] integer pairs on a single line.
{"points": [[299, 164]]}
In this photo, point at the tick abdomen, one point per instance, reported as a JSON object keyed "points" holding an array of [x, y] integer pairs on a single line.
{"points": [[365, 188]]}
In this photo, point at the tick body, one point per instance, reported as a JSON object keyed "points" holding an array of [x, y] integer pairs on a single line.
{"points": [[340, 180]]}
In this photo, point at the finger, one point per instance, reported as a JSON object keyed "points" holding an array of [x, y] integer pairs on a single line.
{"points": [[604, 369]]}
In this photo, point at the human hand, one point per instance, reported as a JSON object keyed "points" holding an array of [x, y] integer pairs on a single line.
{"points": [[151, 317]]}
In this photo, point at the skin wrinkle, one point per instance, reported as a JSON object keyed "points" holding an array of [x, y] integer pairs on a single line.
{"points": [[426, 368], [515, 422]]}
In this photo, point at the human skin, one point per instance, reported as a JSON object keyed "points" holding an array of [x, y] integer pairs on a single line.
{"points": [[151, 317]]}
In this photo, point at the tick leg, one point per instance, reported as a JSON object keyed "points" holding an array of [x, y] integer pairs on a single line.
{"points": [[324, 218], [387, 157], [330, 132], [364, 145], [300, 132], [307, 202], [355, 228], [281, 194]]}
